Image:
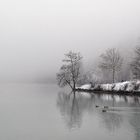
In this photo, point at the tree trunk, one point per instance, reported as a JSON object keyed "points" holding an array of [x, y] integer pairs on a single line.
{"points": [[74, 86], [113, 75]]}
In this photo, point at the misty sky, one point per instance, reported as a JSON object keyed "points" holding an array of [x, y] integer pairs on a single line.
{"points": [[34, 34]]}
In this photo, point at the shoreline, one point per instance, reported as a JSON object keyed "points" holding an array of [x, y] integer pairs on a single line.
{"points": [[121, 93]]}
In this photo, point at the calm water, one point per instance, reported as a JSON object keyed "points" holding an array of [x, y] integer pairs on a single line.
{"points": [[45, 112]]}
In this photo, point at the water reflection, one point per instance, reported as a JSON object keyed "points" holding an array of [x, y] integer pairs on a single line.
{"points": [[121, 109], [72, 107], [119, 100], [135, 123], [111, 121]]}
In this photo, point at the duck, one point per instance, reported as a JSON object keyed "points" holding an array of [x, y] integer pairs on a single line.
{"points": [[104, 110], [96, 106], [106, 107]]}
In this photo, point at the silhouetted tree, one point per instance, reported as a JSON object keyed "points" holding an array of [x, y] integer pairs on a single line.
{"points": [[70, 71], [135, 64], [111, 61]]}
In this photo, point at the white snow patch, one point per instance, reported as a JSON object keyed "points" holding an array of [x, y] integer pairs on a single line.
{"points": [[121, 86], [87, 86], [107, 87]]}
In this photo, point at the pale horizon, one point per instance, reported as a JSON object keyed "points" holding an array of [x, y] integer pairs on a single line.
{"points": [[35, 35]]}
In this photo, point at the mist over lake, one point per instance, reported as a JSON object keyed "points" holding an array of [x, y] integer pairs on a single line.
{"points": [[36, 34], [40, 111], [70, 70]]}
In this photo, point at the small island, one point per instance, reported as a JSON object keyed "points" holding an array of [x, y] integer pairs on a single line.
{"points": [[111, 76], [123, 88]]}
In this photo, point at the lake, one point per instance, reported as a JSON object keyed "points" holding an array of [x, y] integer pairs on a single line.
{"points": [[46, 112]]}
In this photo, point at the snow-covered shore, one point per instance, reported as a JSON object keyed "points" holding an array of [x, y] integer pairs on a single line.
{"points": [[127, 86]]}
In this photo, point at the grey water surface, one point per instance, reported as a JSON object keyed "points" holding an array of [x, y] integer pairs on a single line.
{"points": [[46, 112]]}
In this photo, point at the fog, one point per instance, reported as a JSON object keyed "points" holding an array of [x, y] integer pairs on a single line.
{"points": [[35, 34]]}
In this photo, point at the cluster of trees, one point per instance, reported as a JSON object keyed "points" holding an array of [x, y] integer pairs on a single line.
{"points": [[111, 61], [135, 64]]}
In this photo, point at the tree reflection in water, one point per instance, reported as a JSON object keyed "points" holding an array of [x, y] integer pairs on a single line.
{"points": [[72, 107], [135, 122], [111, 120], [129, 105], [135, 118]]}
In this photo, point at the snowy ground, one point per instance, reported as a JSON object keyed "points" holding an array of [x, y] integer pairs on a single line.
{"points": [[128, 86]]}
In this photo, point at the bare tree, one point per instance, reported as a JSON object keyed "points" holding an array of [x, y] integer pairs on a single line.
{"points": [[111, 61], [70, 71], [135, 64]]}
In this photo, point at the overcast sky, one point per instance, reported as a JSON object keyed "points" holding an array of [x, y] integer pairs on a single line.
{"points": [[34, 34]]}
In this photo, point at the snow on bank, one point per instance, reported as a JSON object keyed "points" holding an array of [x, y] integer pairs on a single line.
{"points": [[87, 86], [128, 86]]}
